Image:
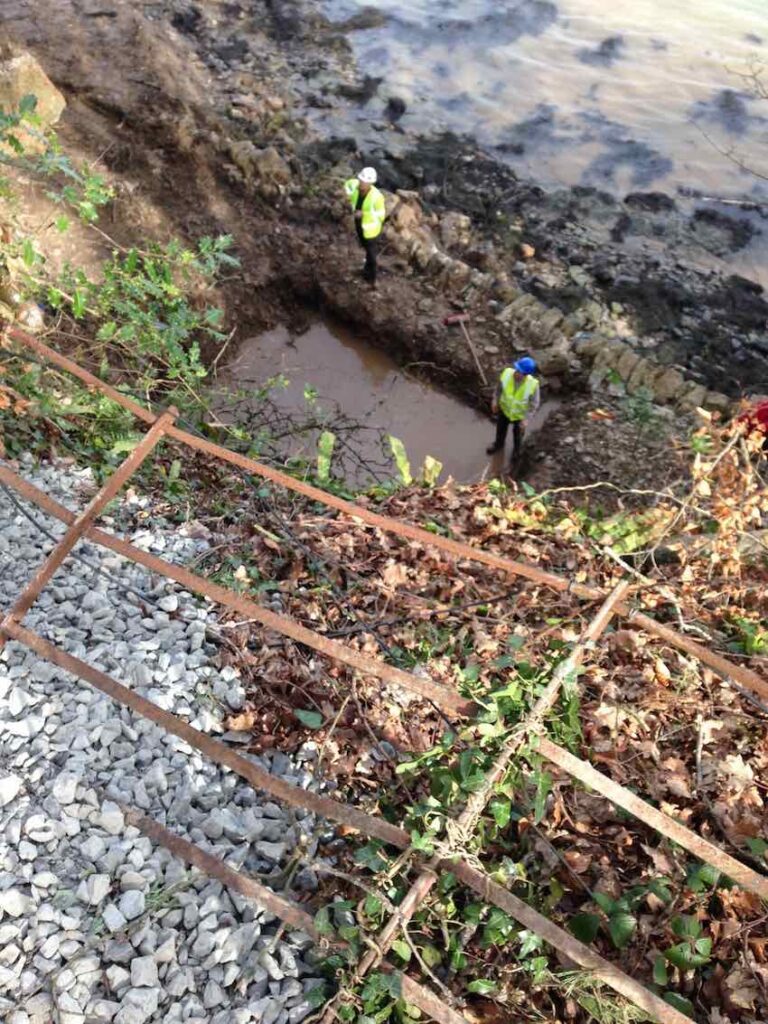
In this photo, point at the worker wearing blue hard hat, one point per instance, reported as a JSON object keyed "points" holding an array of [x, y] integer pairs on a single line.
{"points": [[517, 396]]}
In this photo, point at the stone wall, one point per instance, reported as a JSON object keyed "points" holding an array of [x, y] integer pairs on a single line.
{"points": [[551, 337]]}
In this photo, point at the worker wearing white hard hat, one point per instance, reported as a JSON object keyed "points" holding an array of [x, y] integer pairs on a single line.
{"points": [[370, 213]]}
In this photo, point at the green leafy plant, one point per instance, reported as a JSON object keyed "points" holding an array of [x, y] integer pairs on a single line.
{"points": [[401, 460], [325, 447], [694, 950]]}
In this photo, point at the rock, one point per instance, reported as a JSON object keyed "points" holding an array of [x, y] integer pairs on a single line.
{"points": [[667, 385], [270, 851], [138, 1004], [70, 1011], [527, 251], [131, 904], [266, 165], [14, 903], [96, 888], [113, 918], [65, 788], [144, 971], [169, 603], [111, 818], [20, 76], [455, 230], [31, 316], [690, 396], [117, 977], [10, 787]]}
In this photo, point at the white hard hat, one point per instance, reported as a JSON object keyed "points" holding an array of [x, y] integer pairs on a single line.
{"points": [[368, 175]]}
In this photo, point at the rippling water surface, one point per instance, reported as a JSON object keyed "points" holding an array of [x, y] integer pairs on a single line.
{"points": [[623, 94]]}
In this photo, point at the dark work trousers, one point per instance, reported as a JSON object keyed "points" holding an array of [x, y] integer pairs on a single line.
{"points": [[370, 245], [502, 426]]}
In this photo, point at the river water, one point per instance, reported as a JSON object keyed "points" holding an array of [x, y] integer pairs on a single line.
{"points": [[338, 378], [626, 95]]}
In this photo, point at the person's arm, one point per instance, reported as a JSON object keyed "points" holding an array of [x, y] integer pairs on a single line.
{"points": [[495, 399], [533, 404]]}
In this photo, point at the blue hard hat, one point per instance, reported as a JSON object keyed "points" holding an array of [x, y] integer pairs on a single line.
{"points": [[526, 365]]}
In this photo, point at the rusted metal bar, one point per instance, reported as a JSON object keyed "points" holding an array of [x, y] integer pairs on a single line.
{"points": [[697, 845], [214, 749], [470, 815], [427, 688], [286, 910], [476, 879], [82, 522], [722, 666], [558, 755]]}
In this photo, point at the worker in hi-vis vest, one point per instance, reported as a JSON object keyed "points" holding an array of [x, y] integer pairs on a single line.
{"points": [[370, 214], [517, 396]]}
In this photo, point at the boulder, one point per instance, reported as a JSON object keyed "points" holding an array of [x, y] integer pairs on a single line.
{"points": [[405, 216], [20, 76], [667, 385], [555, 359], [644, 375], [691, 396], [265, 165], [626, 364], [717, 402], [455, 230]]}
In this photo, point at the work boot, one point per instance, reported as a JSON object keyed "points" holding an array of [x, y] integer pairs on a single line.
{"points": [[493, 448]]}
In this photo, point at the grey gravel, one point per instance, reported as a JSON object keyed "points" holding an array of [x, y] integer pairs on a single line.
{"points": [[97, 923]]}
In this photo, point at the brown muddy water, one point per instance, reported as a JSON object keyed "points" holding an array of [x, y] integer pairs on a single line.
{"points": [[336, 379]]}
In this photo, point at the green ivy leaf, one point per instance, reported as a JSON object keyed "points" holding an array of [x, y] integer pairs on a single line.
{"points": [[78, 304], [402, 949], [312, 719], [621, 928], [501, 809], [28, 254], [431, 955], [660, 972], [685, 956], [680, 1003], [606, 904], [323, 921], [585, 927], [685, 926], [481, 987], [702, 878]]}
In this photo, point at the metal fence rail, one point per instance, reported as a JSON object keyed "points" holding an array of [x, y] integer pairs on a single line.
{"points": [[83, 525]]}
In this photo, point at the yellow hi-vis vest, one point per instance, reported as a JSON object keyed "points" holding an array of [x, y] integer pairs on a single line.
{"points": [[514, 401], [374, 210]]}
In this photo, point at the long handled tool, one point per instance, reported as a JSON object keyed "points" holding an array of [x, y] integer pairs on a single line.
{"points": [[460, 319]]}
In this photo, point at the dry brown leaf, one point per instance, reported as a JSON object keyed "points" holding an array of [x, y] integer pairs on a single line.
{"points": [[577, 861], [742, 988], [241, 723], [394, 574]]}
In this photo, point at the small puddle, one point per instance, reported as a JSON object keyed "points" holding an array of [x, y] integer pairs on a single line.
{"points": [[356, 382]]}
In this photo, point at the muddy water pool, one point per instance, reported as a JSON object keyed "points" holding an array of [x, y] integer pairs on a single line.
{"points": [[330, 373]]}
